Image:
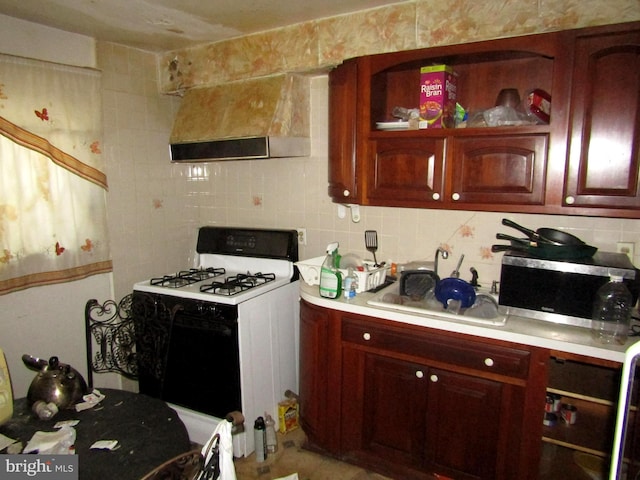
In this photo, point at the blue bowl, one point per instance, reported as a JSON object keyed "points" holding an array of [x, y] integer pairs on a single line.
{"points": [[455, 289]]}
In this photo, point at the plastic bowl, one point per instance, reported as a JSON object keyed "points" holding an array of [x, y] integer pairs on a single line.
{"points": [[455, 289]]}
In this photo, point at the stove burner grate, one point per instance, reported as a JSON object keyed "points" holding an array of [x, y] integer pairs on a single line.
{"points": [[237, 283], [187, 277]]}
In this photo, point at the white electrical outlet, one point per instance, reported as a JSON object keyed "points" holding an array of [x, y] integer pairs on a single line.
{"points": [[627, 248], [302, 236]]}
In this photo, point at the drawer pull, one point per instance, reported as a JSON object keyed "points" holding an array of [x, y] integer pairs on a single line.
{"points": [[488, 362], [419, 373], [346, 193], [366, 336], [434, 378]]}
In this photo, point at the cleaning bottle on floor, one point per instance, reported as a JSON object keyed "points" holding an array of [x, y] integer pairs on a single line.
{"points": [[270, 429], [330, 276], [260, 439]]}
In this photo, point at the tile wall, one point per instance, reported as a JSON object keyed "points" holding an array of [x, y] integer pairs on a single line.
{"points": [[155, 207]]}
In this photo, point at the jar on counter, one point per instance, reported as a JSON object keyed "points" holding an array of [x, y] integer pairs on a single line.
{"points": [[611, 318]]}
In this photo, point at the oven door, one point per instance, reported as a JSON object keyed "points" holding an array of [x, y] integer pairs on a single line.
{"points": [[177, 341]]}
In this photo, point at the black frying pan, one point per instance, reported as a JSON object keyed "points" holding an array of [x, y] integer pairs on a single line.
{"points": [[543, 250], [547, 235], [416, 283]]}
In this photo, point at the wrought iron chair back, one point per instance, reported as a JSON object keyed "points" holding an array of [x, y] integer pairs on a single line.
{"points": [[110, 328], [130, 337], [154, 325]]}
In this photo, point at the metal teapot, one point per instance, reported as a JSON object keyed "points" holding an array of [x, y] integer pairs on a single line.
{"points": [[55, 382]]}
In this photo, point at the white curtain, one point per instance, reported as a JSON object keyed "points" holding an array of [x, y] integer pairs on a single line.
{"points": [[52, 187]]}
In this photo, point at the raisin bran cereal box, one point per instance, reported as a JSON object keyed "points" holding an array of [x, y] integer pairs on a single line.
{"points": [[438, 84]]}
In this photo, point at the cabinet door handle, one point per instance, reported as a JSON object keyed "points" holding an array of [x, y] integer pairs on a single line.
{"points": [[488, 362], [435, 196], [570, 200], [366, 336], [419, 373], [455, 196], [346, 193], [434, 378]]}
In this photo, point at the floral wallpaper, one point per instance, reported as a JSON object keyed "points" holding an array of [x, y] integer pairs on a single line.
{"points": [[323, 43]]}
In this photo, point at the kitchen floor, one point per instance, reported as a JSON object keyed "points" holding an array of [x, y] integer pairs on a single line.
{"points": [[292, 458]]}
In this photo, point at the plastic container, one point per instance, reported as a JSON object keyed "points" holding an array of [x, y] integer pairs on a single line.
{"points": [[350, 284], [330, 276], [259, 432], [612, 312], [370, 277], [270, 429]]}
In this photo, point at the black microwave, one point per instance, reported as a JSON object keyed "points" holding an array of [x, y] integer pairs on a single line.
{"points": [[560, 291]]}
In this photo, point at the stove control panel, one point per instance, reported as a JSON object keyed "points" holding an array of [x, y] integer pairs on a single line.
{"points": [[240, 242]]}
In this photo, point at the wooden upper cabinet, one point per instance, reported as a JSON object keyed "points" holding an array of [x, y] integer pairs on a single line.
{"points": [[343, 177], [584, 162], [604, 151], [506, 169], [439, 168], [406, 171]]}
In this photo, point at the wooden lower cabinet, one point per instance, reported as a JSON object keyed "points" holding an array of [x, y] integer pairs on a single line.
{"points": [[463, 430], [423, 420], [320, 380], [411, 402]]}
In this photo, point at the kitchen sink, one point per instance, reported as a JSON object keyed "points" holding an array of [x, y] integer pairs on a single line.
{"points": [[484, 310]]}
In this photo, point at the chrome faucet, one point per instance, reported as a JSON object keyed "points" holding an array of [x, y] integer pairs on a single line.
{"points": [[444, 255]]}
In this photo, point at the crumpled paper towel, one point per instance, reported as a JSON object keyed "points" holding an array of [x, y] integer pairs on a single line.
{"points": [[60, 442], [5, 442], [90, 400]]}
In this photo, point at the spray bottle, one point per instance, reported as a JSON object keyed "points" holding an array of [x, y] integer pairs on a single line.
{"points": [[330, 276]]}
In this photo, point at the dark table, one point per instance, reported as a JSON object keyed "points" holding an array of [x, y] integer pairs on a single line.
{"points": [[148, 432]]}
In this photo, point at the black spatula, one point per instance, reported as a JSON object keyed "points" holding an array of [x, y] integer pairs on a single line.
{"points": [[371, 242]]}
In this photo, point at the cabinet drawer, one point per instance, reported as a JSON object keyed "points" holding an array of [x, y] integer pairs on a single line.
{"points": [[429, 346]]}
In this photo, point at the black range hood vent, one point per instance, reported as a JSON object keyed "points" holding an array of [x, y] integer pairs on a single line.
{"points": [[249, 148]]}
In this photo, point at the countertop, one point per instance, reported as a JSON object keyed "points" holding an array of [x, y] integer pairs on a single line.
{"points": [[526, 331]]}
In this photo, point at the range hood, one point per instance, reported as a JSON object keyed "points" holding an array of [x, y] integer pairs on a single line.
{"points": [[259, 118]]}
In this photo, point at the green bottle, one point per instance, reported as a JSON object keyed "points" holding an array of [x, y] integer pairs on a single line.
{"points": [[330, 276]]}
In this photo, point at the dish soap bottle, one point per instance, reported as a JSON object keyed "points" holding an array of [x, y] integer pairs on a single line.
{"points": [[612, 312], [330, 276]]}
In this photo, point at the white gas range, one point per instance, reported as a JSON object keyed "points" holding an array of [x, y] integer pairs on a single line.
{"points": [[222, 336]]}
